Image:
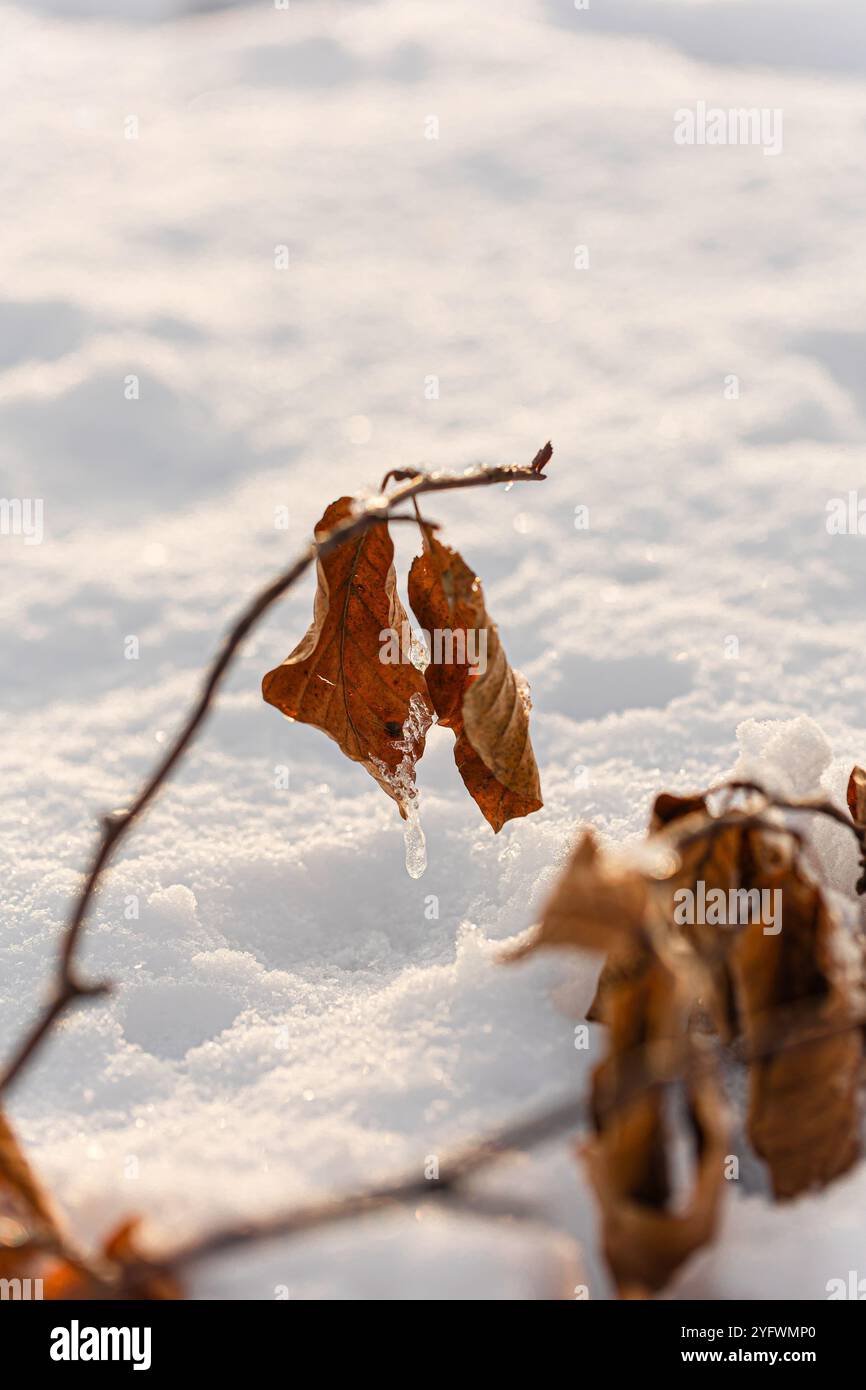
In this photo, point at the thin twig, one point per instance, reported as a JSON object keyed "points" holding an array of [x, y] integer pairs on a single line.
{"points": [[69, 987], [818, 806]]}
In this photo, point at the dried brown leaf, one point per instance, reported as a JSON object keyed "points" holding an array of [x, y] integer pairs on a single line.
{"points": [[487, 706], [716, 861], [778, 988], [377, 711], [648, 1231], [803, 1104]]}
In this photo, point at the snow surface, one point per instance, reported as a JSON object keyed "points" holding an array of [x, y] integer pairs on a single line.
{"points": [[288, 1019]]}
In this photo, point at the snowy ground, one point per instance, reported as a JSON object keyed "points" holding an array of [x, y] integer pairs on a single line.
{"points": [[288, 1020]]}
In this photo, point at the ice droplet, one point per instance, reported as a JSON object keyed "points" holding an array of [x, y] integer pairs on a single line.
{"points": [[413, 840]]}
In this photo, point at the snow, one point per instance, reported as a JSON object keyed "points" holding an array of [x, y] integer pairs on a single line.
{"points": [[293, 1013]]}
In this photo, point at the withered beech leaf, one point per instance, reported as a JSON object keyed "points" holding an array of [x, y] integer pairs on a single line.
{"points": [[724, 914], [778, 984], [803, 1101], [648, 1229], [716, 861], [625, 959], [593, 905], [474, 690], [625, 962], [335, 679], [646, 1242]]}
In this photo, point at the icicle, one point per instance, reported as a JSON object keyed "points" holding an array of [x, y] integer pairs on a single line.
{"points": [[413, 840], [402, 783]]}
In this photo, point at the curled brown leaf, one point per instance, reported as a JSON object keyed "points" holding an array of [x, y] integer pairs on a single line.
{"points": [[777, 984], [474, 690], [649, 1228]]}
